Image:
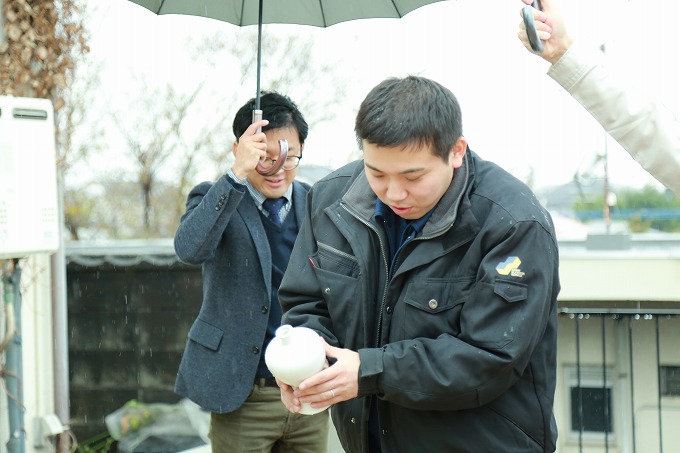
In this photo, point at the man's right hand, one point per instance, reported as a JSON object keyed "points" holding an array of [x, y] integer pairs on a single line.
{"points": [[249, 149]]}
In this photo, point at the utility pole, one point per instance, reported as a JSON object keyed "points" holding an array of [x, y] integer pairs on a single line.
{"points": [[607, 196], [607, 210]]}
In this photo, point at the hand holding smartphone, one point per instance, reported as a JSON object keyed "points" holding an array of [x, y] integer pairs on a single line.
{"points": [[532, 33]]}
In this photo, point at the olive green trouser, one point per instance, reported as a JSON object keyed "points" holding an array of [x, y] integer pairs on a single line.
{"points": [[263, 425]]}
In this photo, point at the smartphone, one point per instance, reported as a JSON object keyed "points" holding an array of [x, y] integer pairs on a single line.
{"points": [[532, 33]]}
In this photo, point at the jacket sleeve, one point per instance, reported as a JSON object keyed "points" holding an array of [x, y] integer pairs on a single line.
{"points": [[646, 130], [209, 208], [506, 321]]}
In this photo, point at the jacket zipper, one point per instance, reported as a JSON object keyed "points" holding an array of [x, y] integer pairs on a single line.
{"points": [[387, 271]]}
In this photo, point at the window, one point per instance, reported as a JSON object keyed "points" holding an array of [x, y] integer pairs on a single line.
{"points": [[590, 400], [597, 409], [670, 380]]}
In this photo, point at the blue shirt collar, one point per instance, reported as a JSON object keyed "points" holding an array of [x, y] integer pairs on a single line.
{"points": [[383, 211]]}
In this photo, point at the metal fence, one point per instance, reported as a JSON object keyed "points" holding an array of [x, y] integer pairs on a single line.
{"points": [[620, 380]]}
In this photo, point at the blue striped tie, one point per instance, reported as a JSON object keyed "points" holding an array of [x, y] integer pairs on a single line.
{"points": [[273, 207]]}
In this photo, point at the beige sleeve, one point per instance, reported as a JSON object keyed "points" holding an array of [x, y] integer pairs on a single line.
{"points": [[646, 129]]}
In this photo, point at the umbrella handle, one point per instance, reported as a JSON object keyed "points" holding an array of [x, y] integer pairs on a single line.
{"points": [[283, 152], [278, 163], [532, 33]]}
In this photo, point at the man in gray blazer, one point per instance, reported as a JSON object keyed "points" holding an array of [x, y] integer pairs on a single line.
{"points": [[244, 251]]}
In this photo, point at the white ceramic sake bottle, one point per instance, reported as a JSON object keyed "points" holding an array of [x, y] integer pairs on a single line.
{"points": [[293, 355]]}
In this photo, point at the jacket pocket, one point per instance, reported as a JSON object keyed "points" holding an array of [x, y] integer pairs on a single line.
{"points": [[495, 316], [336, 261], [510, 291], [431, 308], [206, 335]]}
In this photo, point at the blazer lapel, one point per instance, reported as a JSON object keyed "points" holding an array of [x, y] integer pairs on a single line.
{"points": [[251, 217]]}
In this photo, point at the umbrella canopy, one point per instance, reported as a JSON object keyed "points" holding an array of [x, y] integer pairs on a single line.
{"points": [[320, 13]]}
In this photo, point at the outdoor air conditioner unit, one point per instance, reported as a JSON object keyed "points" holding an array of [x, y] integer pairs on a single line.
{"points": [[28, 178]]}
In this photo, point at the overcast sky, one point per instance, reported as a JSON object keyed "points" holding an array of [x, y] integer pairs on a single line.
{"points": [[513, 113]]}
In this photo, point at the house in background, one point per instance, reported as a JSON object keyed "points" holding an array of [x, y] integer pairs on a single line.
{"points": [[131, 303]]}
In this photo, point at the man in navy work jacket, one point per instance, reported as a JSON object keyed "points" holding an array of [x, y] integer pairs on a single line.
{"points": [[432, 274], [244, 250]]}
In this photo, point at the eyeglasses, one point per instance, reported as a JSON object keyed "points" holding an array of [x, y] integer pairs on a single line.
{"points": [[291, 162]]}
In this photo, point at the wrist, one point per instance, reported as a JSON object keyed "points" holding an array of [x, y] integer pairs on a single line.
{"points": [[560, 50], [236, 175]]}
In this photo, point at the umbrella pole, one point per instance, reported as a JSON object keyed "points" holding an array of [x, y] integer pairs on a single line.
{"points": [[259, 55], [257, 113]]}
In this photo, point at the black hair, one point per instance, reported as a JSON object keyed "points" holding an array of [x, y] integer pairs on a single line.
{"points": [[410, 110], [279, 109]]}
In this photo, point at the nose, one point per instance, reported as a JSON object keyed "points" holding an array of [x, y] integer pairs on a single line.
{"points": [[395, 191]]}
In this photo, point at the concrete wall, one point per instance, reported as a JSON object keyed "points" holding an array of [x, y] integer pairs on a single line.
{"points": [[127, 329]]}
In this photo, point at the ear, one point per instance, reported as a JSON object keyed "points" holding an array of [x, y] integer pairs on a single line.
{"points": [[234, 146], [458, 153]]}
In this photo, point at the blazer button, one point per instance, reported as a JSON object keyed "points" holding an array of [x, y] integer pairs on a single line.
{"points": [[327, 290], [389, 310], [353, 420], [256, 350], [433, 304], [264, 309]]}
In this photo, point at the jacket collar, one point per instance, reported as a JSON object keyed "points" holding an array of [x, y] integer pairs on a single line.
{"points": [[360, 198]]}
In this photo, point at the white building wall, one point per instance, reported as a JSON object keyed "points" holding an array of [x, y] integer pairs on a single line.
{"points": [[620, 276]]}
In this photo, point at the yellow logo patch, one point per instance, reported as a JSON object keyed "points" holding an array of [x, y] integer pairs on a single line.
{"points": [[510, 267]]}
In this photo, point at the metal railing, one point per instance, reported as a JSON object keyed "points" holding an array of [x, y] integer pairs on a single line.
{"points": [[638, 338]]}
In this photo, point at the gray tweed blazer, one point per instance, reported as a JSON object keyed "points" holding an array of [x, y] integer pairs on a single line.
{"points": [[222, 230]]}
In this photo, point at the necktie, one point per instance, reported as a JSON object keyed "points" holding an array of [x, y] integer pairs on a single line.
{"points": [[273, 207]]}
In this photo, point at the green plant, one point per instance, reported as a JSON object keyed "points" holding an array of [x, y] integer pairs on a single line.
{"points": [[101, 443]]}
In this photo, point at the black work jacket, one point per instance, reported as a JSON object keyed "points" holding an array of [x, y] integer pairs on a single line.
{"points": [[459, 344]]}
